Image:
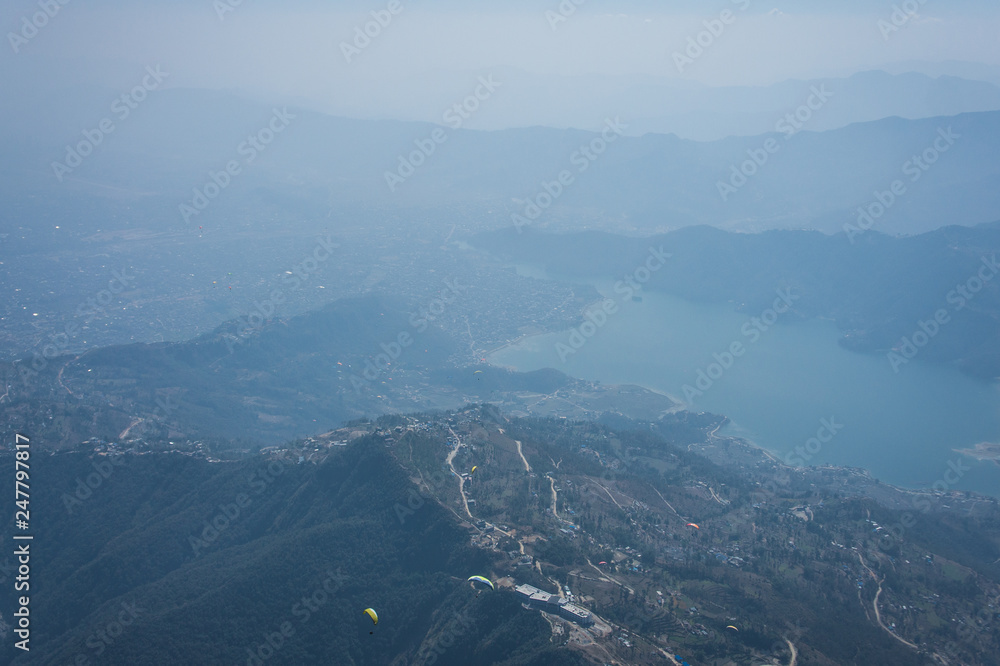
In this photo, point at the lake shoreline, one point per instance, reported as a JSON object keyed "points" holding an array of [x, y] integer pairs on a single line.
{"points": [[778, 391]]}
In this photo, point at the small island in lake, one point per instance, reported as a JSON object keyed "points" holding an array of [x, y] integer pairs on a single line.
{"points": [[984, 451]]}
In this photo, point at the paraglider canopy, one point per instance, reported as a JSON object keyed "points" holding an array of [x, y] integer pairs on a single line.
{"points": [[474, 468], [370, 612], [733, 628], [484, 581], [602, 562], [693, 525]]}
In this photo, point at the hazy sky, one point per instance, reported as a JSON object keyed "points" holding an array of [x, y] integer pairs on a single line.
{"points": [[292, 48]]}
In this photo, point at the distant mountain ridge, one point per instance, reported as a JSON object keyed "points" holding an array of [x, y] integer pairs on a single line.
{"points": [[682, 107], [716, 113], [781, 179]]}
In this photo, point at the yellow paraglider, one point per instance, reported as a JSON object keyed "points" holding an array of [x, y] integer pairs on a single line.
{"points": [[481, 579], [484, 581], [733, 628], [370, 612], [474, 468]]}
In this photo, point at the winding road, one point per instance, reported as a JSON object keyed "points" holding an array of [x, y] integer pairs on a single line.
{"points": [[555, 496], [608, 579], [124, 433], [461, 481], [527, 467], [671, 506], [61, 370], [795, 653], [613, 497], [878, 614], [716, 497]]}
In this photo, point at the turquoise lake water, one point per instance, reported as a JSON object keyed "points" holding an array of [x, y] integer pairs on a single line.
{"points": [[903, 428]]}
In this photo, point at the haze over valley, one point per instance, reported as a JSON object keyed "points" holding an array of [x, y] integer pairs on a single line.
{"points": [[574, 333]]}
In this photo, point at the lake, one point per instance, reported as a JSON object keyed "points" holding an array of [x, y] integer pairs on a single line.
{"points": [[790, 388]]}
